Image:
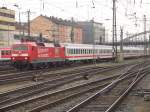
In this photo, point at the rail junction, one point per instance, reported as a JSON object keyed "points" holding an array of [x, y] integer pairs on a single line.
{"points": [[76, 90]]}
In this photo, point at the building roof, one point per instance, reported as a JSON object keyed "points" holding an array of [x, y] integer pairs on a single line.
{"points": [[89, 22], [7, 11], [61, 21]]}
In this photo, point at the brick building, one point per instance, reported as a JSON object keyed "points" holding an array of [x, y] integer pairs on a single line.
{"points": [[55, 29], [7, 26]]}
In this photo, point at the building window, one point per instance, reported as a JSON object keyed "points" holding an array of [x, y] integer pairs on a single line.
{"points": [[7, 15]]}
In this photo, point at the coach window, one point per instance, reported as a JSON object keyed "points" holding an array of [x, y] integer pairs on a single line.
{"points": [[74, 51], [71, 51], [103, 50], [107, 51], [77, 51]]}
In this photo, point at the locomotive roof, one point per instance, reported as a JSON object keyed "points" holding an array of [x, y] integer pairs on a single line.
{"points": [[37, 44], [5, 48]]}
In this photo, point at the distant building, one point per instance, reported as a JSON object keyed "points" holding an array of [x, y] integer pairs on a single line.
{"points": [[93, 32], [7, 26], [56, 29]]}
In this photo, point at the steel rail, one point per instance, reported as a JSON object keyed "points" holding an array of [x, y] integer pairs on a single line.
{"points": [[58, 101], [49, 87], [29, 75], [70, 80], [135, 81], [40, 108], [87, 84], [23, 76], [102, 91], [41, 83]]}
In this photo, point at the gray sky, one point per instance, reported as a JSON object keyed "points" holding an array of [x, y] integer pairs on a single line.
{"points": [[83, 10]]}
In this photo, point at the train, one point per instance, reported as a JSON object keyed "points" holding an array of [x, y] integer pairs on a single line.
{"points": [[31, 55], [5, 54]]}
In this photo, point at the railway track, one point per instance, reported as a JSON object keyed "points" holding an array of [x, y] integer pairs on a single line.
{"points": [[5, 67], [106, 99], [44, 74], [27, 94]]}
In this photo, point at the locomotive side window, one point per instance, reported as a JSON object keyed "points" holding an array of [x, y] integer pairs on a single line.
{"points": [[32, 48]]}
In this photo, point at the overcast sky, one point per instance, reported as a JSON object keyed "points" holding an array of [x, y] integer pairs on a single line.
{"points": [[129, 13]]}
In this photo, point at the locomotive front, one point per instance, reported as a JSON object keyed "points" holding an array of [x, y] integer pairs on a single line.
{"points": [[20, 55]]}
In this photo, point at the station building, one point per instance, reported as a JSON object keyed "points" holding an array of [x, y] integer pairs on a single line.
{"points": [[7, 26], [57, 29]]}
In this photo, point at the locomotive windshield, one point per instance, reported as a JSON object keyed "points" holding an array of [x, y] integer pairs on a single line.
{"points": [[20, 47]]}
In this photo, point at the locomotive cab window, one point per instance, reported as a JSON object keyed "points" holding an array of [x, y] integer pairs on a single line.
{"points": [[20, 47]]}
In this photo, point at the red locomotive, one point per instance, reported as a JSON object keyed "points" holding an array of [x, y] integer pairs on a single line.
{"points": [[33, 55]]}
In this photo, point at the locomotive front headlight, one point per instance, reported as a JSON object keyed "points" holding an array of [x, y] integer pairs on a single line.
{"points": [[25, 58]]}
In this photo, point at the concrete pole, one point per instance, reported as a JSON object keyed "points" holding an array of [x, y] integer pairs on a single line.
{"points": [[145, 47], [114, 35]]}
